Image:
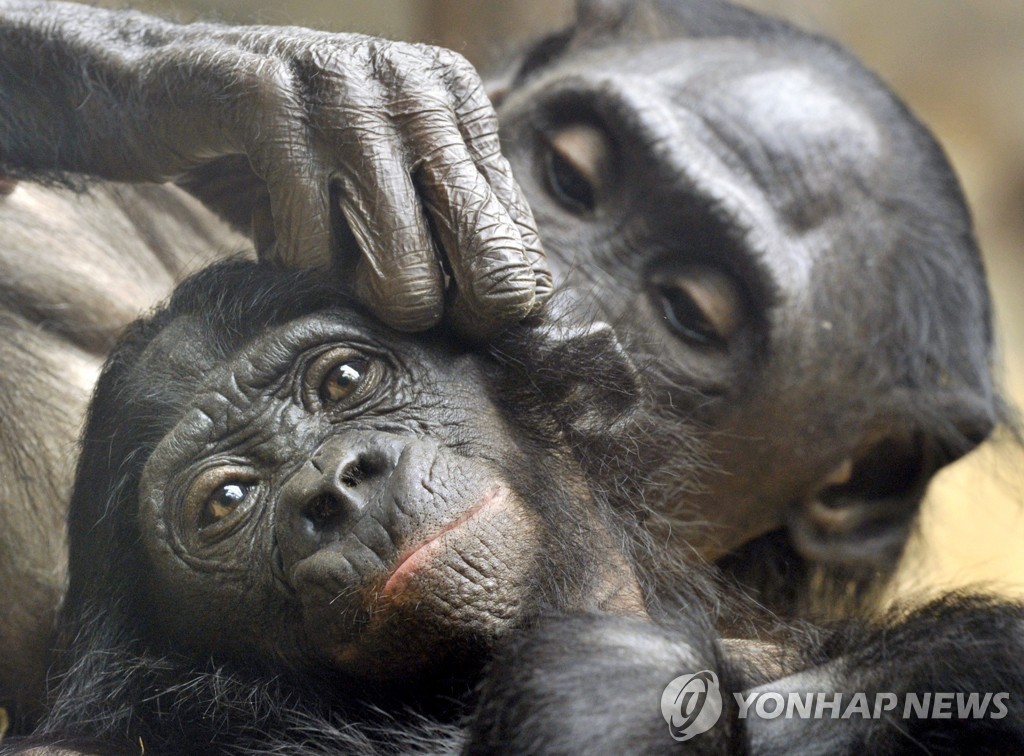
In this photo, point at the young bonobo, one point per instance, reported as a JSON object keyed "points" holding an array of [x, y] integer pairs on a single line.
{"points": [[295, 530], [284, 509]]}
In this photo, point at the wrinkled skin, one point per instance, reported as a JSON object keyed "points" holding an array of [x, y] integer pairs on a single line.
{"points": [[299, 139], [375, 486], [729, 250], [272, 126]]}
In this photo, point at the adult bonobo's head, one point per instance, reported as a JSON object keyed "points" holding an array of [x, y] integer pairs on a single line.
{"points": [[270, 477], [755, 210]]}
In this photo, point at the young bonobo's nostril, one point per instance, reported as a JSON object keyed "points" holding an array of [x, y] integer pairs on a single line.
{"points": [[329, 495], [351, 480], [365, 467], [326, 513], [352, 475]]}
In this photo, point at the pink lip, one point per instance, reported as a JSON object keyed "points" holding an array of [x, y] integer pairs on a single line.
{"points": [[421, 554]]}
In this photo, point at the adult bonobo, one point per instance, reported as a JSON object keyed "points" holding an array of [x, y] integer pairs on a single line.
{"points": [[727, 186], [787, 245], [294, 530]]}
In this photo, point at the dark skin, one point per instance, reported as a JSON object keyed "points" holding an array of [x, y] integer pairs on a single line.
{"points": [[309, 128], [295, 530], [729, 258], [383, 484], [275, 128]]}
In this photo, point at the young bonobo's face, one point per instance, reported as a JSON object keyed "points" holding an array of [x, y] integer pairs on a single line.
{"points": [[334, 494]]}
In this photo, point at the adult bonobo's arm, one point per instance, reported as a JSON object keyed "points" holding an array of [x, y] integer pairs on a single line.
{"points": [[264, 124], [941, 679]]}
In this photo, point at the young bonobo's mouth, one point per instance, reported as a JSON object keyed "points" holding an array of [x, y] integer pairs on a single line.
{"points": [[453, 590], [440, 545]]}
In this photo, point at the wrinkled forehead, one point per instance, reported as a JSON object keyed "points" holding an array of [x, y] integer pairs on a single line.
{"points": [[194, 350]]}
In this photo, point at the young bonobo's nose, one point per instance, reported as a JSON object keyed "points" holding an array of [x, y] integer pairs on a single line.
{"points": [[322, 501]]}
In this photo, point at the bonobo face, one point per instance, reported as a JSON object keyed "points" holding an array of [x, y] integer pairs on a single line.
{"points": [[334, 494], [788, 250]]}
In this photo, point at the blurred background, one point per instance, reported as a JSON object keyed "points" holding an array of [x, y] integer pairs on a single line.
{"points": [[960, 66]]}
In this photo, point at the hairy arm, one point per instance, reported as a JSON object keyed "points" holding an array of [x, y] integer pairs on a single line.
{"points": [[278, 129]]}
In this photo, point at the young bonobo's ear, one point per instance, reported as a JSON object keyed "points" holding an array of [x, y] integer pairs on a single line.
{"points": [[585, 376]]}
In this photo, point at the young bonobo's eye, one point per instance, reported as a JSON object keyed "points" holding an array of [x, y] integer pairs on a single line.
{"points": [[701, 305], [342, 381], [218, 497], [224, 500], [576, 165], [341, 377]]}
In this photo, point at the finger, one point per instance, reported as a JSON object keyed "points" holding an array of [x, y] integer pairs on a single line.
{"points": [[510, 195], [283, 156], [483, 245], [478, 124], [299, 193], [399, 273], [485, 250]]}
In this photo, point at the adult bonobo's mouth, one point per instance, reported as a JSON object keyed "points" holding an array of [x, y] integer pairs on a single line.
{"points": [[862, 511]]}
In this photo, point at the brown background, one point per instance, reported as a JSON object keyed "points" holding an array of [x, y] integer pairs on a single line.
{"points": [[958, 63]]}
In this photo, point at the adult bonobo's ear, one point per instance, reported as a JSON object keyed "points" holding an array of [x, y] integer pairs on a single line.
{"points": [[595, 20]]}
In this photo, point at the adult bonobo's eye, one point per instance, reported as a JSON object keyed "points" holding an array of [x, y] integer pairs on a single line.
{"points": [[576, 165], [701, 305], [341, 377], [218, 498]]}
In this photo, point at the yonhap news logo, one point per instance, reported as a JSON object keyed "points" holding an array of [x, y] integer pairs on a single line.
{"points": [[692, 704], [835, 705]]}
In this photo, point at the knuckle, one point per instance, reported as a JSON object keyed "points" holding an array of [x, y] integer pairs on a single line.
{"points": [[459, 66], [451, 65]]}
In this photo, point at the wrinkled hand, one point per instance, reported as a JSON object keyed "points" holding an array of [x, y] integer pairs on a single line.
{"points": [[409, 138], [276, 125]]}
